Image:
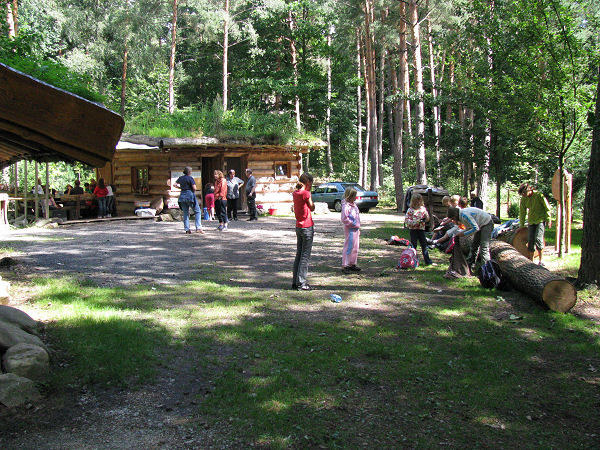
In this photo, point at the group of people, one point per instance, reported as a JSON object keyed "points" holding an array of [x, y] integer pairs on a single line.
{"points": [[220, 198], [102, 192], [464, 218]]}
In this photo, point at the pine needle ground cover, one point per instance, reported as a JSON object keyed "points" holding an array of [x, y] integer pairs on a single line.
{"points": [[406, 359]]}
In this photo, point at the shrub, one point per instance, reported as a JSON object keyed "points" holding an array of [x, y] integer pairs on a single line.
{"points": [[513, 210]]}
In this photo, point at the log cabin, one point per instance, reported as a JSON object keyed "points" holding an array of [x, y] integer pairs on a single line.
{"points": [[144, 169]]}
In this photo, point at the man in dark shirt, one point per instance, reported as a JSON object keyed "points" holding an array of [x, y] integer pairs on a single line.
{"points": [[251, 195], [476, 201], [77, 190]]}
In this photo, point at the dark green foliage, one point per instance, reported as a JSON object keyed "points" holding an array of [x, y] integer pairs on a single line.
{"points": [[20, 54]]}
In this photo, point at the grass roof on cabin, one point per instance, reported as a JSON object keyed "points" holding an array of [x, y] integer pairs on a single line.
{"points": [[234, 124]]}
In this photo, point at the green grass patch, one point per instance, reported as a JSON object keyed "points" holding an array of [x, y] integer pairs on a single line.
{"points": [[211, 120], [408, 359]]}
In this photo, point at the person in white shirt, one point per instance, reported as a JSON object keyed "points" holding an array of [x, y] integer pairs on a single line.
{"points": [[480, 224]]}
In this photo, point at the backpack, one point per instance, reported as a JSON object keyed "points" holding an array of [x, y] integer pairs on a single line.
{"points": [[408, 259], [395, 240], [490, 276]]}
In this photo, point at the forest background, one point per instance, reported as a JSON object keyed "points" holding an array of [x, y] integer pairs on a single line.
{"points": [[465, 94]]}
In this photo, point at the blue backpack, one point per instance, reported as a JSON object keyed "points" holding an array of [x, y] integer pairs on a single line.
{"points": [[490, 276]]}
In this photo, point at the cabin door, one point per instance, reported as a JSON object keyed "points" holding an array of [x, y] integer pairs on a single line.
{"points": [[209, 165], [235, 163]]}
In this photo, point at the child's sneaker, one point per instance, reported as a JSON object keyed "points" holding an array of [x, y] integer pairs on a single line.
{"points": [[220, 228], [224, 228]]}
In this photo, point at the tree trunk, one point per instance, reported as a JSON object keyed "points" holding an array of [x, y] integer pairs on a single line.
{"points": [[328, 125], [10, 20], [361, 168], [420, 143], [15, 13], [371, 81], [225, 55], [532, 279], [368, 120], [518, 239], [292, 25], [380, 115], [407, 104], [436, 109], [172, 59], [399, 110], [589, 269], [124, 78]]}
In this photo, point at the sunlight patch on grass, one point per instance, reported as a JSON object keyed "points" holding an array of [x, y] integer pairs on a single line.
{"points": [[451, 313], [276, 406]]}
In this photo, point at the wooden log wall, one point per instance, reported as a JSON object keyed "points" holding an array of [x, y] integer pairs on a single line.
{"points": [[271, 190]]}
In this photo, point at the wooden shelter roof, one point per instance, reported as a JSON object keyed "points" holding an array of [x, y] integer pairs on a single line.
{"points": [[43, 123]]}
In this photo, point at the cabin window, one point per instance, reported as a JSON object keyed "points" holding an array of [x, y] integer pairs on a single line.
{"points": [[283, 169], [139, 180]]}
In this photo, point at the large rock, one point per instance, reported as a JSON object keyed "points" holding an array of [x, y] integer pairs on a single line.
{"points": [[27, 360], [165, 218], [16, 390], [176, 214], [12, 335], [18, 318], [4, 292]]}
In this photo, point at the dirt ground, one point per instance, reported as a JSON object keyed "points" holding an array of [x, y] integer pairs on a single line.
{"points": [[163, 414]]}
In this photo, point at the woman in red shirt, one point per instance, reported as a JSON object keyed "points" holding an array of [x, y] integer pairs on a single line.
{"points": [[100, 192], [221, 200], [303, 206]]}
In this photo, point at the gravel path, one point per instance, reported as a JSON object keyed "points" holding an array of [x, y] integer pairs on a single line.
{"points": [[139, 251], [164, 414]]}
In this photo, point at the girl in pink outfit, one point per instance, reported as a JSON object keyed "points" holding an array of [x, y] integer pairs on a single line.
{"points": [[351, 220]]}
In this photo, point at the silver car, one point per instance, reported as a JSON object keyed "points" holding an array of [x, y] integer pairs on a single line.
{"points": [[333, 193]]}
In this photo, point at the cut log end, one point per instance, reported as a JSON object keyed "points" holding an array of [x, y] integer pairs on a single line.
{"points": [[559, 295]]}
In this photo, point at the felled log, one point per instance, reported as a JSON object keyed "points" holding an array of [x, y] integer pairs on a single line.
{"points": [[532, 279], [518, 239]]}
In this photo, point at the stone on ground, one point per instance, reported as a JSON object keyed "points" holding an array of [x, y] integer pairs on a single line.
{"points": [[16, 390], [16, 317], [27, 360], [4, 292], [11, 334]]}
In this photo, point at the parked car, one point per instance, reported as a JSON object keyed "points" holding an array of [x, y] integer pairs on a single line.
{"points": [[333, 193]]}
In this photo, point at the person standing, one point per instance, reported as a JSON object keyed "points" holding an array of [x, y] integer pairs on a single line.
{"points": [[535, 207], [251, 195], [209, 200], [480, 224], [187, 200], [350, 218], [221, 200], [233, 194], [476, 202], [303, 207], [100, 192], [110, 201], [416, 218]]}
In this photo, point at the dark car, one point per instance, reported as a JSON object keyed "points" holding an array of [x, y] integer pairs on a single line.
{"points": [[333, 193]]}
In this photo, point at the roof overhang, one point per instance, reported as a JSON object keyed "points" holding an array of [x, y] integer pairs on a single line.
{"points": [[43, 123]]}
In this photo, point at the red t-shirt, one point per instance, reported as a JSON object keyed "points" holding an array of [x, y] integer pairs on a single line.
{"points": [[301, 209], [100, 192]]}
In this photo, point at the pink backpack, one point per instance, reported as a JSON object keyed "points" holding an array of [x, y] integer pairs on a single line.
{"points": [[408, 259]]}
